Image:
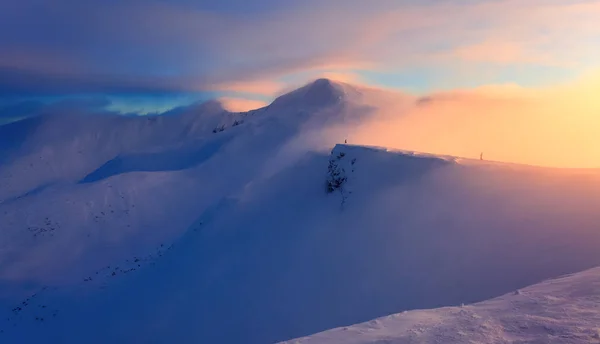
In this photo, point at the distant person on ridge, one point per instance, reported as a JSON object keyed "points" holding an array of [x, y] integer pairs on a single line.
{"points": [[481, 156]]}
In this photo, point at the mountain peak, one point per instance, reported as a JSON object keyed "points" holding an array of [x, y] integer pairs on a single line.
{"points": [[324, 85], [319, 93], [324, 82]]}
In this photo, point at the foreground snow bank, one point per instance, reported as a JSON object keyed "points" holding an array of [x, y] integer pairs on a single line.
{"points": [[563, 310]]}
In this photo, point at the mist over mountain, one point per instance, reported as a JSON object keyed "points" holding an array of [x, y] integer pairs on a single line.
{"points": [[204, 225]]}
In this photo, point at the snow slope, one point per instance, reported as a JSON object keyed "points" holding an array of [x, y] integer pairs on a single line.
{"points": [[214, 227], [562, 310], [123, 185], [65, 147]]}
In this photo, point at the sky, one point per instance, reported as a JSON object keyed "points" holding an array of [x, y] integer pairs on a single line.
{"points": [[147, 56]]}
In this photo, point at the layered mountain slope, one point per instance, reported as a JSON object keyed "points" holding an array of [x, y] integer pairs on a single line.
{"points": [[281, 257], [68, 146], [65, 147], [114, 186]]}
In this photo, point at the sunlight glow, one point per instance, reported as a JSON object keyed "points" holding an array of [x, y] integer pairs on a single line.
{"points": [[556, 126]]}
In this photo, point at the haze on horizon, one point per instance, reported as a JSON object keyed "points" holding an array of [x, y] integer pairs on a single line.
{"points": [[234, 171], [514, 80]]}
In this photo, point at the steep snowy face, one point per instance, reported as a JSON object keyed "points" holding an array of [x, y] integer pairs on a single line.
{"points": [[66, 147], [286, 256], [244, 220], [99, 182]]}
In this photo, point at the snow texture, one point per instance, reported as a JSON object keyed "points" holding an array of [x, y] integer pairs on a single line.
{"points": [[562, 310], [165, 230]]}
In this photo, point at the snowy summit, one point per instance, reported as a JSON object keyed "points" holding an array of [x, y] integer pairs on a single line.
{"points": [[208, 226]]}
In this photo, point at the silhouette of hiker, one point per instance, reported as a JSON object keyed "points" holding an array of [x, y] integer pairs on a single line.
{"points": [[481, 156], [346, 141]]}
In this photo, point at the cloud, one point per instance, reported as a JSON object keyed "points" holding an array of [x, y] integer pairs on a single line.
{"points": [[183, 46], [241, 104], [261, 87], [20, 109], [551, 126], [347, 77], [27, 82], [498, 53], [555, 125], [16, 110]]}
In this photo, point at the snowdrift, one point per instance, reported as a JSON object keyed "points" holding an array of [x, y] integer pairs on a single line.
{"points": [[214, 227], [562, 310]]}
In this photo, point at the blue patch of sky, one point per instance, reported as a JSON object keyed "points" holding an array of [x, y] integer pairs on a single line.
{"points": [[154, 104], [415, 80], [422, 81]]}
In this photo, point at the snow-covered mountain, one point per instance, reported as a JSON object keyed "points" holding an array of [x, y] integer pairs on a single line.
{"points": [[203, 225], [562, 310]]}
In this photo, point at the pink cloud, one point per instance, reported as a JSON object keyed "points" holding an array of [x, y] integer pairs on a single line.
{"points": [[347, 77], [551, 126], [394, 36], [241, 104], [498, 52], [261, 87], [508, 32], [212, 50]]}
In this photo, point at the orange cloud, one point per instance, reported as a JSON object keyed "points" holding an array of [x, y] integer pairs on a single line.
{"points": [[385, 34], [392, 35], [261, 87], [507, 32], [500, 53], [346, 77], [553, 126], [241, 104]]}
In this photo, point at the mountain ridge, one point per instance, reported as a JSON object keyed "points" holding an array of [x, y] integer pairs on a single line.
{"points": [[271, 253], [253, 222]]}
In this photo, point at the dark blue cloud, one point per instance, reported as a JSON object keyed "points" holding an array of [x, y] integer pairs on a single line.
{"points": [[64, 47], [135, 46], [21, 82], [19, 109]]}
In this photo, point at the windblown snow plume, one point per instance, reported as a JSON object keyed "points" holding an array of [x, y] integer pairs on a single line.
{"points": [[204, 225]]}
